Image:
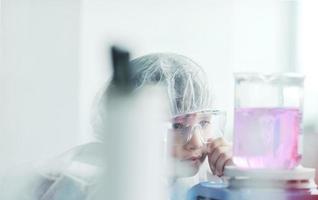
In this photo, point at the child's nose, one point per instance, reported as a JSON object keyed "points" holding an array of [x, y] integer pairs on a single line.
{"points": [[195, 141]]}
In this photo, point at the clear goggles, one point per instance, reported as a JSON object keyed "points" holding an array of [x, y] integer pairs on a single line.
{"points": [[205, 124]]}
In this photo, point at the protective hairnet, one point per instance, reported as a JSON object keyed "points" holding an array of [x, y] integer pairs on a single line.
{"points": [[186, 83], [184, 80]]}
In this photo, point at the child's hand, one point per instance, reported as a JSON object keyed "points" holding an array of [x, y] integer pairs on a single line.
{"points": [[219, 155]]}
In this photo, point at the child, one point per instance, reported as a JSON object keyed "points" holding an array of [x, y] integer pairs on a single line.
{"points": [[192, 137]]}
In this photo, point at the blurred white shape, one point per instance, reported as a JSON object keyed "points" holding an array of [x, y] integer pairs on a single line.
{"points": [[134, 146]]}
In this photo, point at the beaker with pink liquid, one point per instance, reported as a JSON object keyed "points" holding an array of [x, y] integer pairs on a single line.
{"points": [[268, 120]]}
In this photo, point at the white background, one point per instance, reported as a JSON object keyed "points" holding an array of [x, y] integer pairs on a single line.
{"points": [[39, 74]]}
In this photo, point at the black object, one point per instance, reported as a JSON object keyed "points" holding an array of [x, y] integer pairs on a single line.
{"points": [[121, 70]]}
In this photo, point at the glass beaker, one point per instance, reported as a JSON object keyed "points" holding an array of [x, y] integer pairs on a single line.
{"points": [[268, 120]]}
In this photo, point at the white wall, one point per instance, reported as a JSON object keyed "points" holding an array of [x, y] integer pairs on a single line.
{"points": [[39, 77], [223, 36]]}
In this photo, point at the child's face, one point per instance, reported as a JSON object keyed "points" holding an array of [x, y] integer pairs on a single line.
{"points": [[189, 134]]}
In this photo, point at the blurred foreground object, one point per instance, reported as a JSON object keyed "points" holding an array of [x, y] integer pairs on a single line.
{"points": [[133, 137]]}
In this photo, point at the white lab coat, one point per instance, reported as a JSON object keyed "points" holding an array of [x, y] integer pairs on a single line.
{"points": [[70, 176]]}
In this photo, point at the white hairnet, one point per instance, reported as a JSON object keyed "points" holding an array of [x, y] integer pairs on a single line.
{"points": [[187, 85], [185, 81]]}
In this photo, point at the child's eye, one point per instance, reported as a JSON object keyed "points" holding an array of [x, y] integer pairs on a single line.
{"points": [[177, 126], [204, 123]]}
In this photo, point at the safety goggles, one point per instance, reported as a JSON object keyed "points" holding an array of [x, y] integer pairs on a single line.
{"points": [[205, 124]]}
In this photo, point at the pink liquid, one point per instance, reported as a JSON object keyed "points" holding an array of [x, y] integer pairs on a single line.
{"points": [[267, 137]]}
